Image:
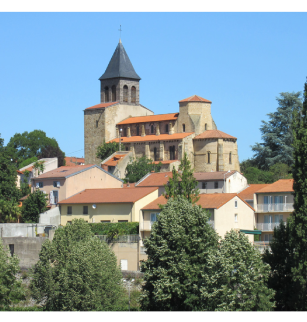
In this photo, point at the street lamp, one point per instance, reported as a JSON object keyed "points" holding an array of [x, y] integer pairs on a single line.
{"points": [[225, 181]]}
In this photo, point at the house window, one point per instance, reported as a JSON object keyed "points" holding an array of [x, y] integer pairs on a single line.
{"points": [[152, 129], [85, 210], [166, 128], [209, 157], [230, 158], [69, 210], [216, 184], [106, 94], [183, 127], [133, 94], [204, 185], [56, 184], [125, 131], [123, 221], [127, 149], [41, 184], [236, 204], [113, 93], [105, 221], [268, 237], [54, 197], [11, 247], [137, 130], [155, 154], [154, 216], [236, 217], [69, 222], [125, 93], [124, 264], [172, 152]]}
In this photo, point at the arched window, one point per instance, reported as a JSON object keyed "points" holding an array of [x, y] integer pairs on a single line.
{"points": [[113, 93], [106, 94], [166, 128], [152, 129], [155, 154], [206, 127], [172, 152], [125, 93], [209, 157], [125, 131], [229, 157], [137, 130], [183, 127], [133, 94]]}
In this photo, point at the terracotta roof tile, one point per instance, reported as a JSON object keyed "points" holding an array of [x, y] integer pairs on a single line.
{"points": [[217, 175], [150, 118], [282, 185], [73, 161], [113, 195], [157, 179], [162, 137], [206, 201], [63, 172], [19, 172], [102, 105], [195, 98], [28, 169], [114, 160], [248, 193], [214, 134]]}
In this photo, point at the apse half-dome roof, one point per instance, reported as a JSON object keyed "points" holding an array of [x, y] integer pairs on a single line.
{"points": [[120, 65]]}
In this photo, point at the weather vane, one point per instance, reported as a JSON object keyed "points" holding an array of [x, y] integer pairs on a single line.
{"points": [[120, 31]]}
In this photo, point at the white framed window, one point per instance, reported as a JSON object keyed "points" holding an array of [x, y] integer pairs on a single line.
{"points": [[124, 264], [236, 203], [236, 217], [56, 184]]}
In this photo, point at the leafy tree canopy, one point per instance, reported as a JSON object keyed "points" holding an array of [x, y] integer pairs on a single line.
{"points": [[35, 204], [52, 151], [10, 288], [27, 162], [183, 182], [277, 133], [30, 144], [9, 211], [178, 249], [107, 149], [138, 168], [77, 272]]}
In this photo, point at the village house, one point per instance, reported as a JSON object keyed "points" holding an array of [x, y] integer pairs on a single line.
{"points": [[74, 161]]}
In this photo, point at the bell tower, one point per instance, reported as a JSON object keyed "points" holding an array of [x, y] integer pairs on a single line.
{"points": [[120, 82]]}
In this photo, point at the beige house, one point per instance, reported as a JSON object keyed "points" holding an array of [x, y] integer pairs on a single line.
{"points": [[273, 203], [208, 182], [228, 211], [107, 205], [63, 182]]}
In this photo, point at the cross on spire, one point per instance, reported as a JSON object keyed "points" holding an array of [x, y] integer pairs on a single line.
{"points": [[120, 32]]}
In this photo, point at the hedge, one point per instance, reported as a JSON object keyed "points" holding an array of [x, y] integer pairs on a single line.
{"points": [[115, 229]]}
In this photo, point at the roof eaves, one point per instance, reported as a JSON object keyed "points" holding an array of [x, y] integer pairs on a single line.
{"points": [[146, 176]]}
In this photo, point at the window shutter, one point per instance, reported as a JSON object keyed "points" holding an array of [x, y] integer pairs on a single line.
{"points": [[51, 198], [58, 184], [37, 185]]}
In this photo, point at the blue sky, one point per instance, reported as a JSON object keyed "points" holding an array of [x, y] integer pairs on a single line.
{"points": [[51, 62]]}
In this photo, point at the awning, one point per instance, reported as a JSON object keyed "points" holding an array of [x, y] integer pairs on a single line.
{"points": [[251, 232]]}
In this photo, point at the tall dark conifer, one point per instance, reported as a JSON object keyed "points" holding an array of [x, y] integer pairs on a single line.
{"points": [[298, 221]]}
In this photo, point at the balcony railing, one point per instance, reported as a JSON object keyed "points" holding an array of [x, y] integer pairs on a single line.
{"points": [[268, 226], [262, 246], [275, 207], [147, 225]]}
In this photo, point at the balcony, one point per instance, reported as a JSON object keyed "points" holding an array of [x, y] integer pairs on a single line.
{"points": [[146, 225], [262, 246], [275, 207], [268, 226]]}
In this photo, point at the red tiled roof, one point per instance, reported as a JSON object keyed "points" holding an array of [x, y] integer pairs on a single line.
{"points": [[206, 201], [157, 179], [150, 118], [113, 195], [248, 193], [63, 172], [28, 169], [217, 175], [19, 172], [102, 105], [73, 161], [131, 185], [214, 134], [162, 137], [282, 185], [195, 98], [114, 160]]}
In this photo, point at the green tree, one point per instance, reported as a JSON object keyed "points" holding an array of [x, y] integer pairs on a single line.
{"points": [[9, 211], [39, 166], [34, 205], [177, 249], [255, 175], [281, 260], [138, 168], [281, 171], [10, 288], [277, 133], [77, 272], [30, 144], [53, 151], [183, 182], [107, 149], [27, 162], [298, 221], [25, 188]]}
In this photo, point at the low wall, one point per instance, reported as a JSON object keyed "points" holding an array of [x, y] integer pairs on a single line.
{"points": [[26, 248], [23, 230]]}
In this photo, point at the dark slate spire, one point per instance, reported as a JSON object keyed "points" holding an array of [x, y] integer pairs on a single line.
{"points": [[120, 65]]}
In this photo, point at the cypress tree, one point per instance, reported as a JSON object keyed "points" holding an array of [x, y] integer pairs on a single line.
{"points": [[298, 221]]}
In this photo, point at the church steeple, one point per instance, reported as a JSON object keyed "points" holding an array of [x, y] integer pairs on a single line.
{"points": [[120, 82]]}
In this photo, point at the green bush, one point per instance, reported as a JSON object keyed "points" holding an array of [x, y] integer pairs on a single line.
{"points": [[115, 229]]}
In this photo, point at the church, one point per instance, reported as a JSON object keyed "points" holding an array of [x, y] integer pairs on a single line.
{"points": [[163, 138]]}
